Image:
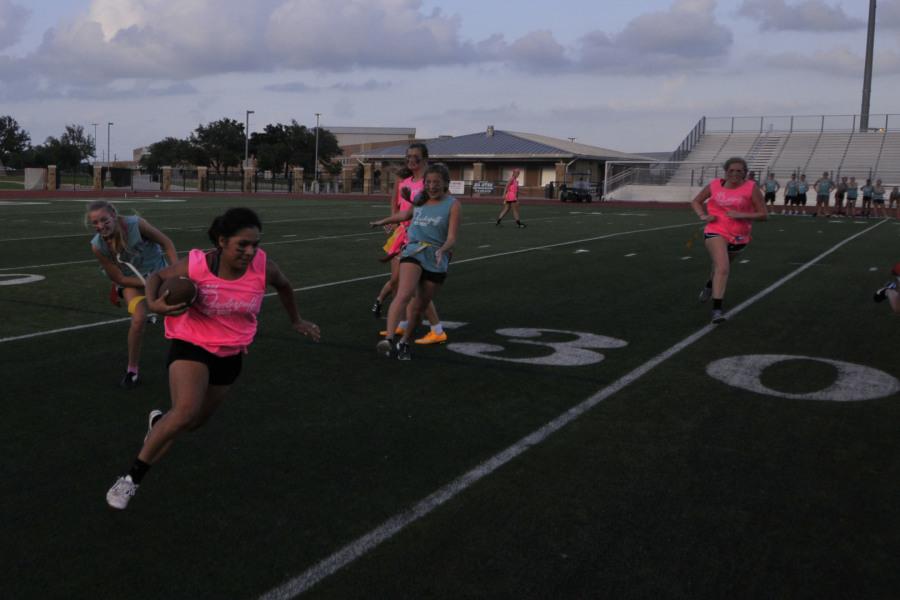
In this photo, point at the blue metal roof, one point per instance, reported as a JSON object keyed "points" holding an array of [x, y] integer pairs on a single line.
{"points": [[502, 144]]}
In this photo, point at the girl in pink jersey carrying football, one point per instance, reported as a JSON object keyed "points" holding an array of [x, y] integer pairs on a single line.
{"points": [[730, 206], [210, 336]]}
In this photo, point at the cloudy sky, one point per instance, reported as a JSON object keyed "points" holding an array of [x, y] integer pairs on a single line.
{"points": [[633, 75]]}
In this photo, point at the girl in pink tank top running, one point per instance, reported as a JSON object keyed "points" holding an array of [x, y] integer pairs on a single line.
{"points": [[731, 204], [210, 336]]}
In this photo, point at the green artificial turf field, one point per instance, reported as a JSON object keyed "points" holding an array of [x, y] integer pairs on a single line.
{"points": [[667, 458]]}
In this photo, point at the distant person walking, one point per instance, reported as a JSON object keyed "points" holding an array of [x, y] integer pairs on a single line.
{"points": [[728, 206], [878, 200], [823, 186], [867, 193], [852, 195], [511, 199], [771, 187], [840, 191], [790, 195]]}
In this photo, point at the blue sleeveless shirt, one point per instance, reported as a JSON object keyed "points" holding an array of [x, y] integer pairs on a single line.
{"points": [[146, 256], [429, 227]]}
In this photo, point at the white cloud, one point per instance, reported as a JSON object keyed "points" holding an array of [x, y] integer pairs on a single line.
{"points": [[12, 20], [328, 35], [299, 87], [808, 15], [687, 36]]}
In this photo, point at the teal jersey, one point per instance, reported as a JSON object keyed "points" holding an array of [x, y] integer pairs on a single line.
{"points": [[427, 232], [824, 187], [791, 187], [867, 191], [146, 256], [852, 191], [771, 186], [802, 187], [878, 193]]}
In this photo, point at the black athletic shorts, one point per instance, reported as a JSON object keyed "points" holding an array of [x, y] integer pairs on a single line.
{"points": [[426, 275], [732, 248], [770, 197], [223, 370]]}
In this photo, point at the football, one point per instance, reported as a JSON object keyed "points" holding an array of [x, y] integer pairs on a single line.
{"points": [[181, 289]]}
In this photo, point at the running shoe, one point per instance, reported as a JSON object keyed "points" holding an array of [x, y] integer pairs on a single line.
{"points": [[705, 294], [385, 348], [154, 416], [129, 381], [376, 309], [718, 316], [432, 338], [121, 492], [881, 293], [402, 351], [521, 225], [398, 331]]}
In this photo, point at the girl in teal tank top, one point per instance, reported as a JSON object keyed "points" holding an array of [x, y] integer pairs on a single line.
{"points": [[118, 240], [424, 261]]}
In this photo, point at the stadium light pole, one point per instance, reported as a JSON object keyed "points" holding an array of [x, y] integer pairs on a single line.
{"points": [[867, 75], [316, 164], [108, 155], [247, 137], [95, 140]]}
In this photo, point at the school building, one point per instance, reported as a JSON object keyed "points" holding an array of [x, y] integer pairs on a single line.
{"points": [[492, 155]]}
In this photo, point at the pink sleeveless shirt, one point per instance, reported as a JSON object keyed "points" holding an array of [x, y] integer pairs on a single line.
{"points": [[222, 320], [415, 188], [512, 190], [722, 200]]}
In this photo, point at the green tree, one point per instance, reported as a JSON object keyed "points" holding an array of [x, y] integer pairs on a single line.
{"points": [[15, 143], [280, 147], [82, 145], [66, 157], [170, 152], [220, 144]]}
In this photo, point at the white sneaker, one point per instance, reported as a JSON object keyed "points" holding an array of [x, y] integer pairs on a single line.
{"points": [[121, 492], [705, 294], [718, 316], [152, 418]]}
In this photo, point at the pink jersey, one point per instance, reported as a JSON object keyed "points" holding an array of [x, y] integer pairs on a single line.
{"points": [[400, 204], [723, 200], [222, 320], [512, 190]]}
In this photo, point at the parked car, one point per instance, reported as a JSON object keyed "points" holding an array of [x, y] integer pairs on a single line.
{"points": [[579, 192]]}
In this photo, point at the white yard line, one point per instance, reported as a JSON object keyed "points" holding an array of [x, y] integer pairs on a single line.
{"points": [[343, 281], [398, 522]]}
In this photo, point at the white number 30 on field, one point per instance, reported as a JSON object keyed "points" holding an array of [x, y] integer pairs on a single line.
{"points": [[574, 353]]}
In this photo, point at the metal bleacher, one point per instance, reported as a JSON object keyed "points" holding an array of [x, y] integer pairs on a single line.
{"points": [[803, 144]]}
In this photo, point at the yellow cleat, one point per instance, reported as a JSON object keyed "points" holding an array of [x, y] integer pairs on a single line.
{"points": [[432, 338], [398, 331]]}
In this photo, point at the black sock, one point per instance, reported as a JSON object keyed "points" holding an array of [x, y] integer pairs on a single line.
{"points": [[709, 283], [717, 303], [138, 470]]}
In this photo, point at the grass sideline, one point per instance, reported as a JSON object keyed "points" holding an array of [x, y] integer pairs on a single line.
{"points": [[678, 485]]}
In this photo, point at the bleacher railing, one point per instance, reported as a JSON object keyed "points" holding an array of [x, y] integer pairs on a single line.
{"points": [[799, 123]]}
